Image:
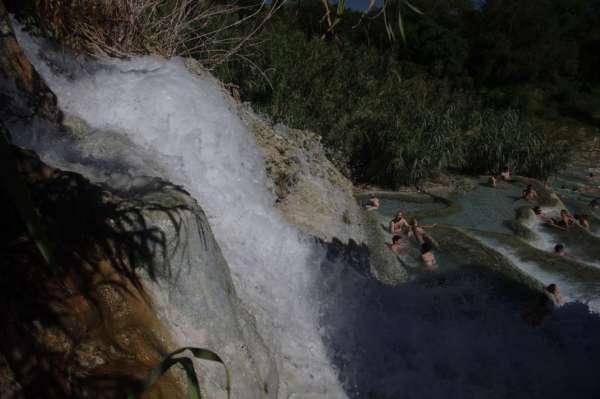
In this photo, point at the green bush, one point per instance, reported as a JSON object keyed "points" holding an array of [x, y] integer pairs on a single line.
{"points": [[388, 115]]}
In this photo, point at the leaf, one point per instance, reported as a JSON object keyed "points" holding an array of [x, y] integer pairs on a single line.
{"points": [[388, 27], [401, 24], [370, 7], [412, 7], [188, 366], [341, 7]]}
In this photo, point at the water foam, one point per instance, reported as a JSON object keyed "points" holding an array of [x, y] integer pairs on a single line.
{"points": [[572, 289]]}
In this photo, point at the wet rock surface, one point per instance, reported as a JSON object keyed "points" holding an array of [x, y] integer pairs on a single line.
{"points": [[23, 94], [311, 193]]}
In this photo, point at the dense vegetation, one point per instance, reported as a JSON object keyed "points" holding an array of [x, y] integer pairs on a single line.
{"points": [[466, 91]]}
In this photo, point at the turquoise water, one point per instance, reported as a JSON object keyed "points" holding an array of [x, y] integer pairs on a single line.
{"points": [[577, 203], [486, 208], [389, 207]]}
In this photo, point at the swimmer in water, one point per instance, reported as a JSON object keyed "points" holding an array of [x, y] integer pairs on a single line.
{"points": [[372, 203], [492, 181], [416, 232], [396, 245], [506, 174], [594, 204], [427, 256], [559, 249], [583, 221], [529, 194], [553, 293], [565, 219], [399, 225], [540, 215]]}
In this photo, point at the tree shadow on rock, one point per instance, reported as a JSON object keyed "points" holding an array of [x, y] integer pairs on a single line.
{"points": [[87, 329]]}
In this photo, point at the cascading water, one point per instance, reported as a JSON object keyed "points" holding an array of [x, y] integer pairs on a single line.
{"points": [[189, 127]]}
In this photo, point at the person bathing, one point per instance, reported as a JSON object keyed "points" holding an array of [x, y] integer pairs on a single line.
{"points": [[529, 194], [553, 293], [416, 232], [583, 221], [506, 174], [565, 220], [540, 215], [396, 245], [559, 249], [427, 255], [372, 203], [399, 225]]}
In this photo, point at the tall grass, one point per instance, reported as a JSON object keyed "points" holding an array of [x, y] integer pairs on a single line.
{"points": [[207, 30], [505, 139]]}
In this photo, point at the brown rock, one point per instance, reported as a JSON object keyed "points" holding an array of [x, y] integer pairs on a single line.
{"points": [[18, 75], [88, 330]]}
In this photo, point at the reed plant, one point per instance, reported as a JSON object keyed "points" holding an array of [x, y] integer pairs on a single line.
{"points": [[207, 30], [504, 139]]}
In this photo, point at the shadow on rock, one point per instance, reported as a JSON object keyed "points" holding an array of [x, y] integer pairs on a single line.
{"points": [[87, 330]]}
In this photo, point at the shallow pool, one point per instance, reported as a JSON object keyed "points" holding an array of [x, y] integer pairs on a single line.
{"points": [[485, 208], [389, 207]]}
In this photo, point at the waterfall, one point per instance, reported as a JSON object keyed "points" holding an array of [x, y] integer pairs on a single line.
{"points": [[191, 130]]}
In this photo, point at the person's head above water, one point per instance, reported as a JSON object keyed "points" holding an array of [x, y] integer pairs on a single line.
{"points": [[529, 187], [563, 212], [399, 215], [595, 203], [559, 248], [505, 169], [537, 210], [426, 247], [553, 289], [395, 239]]}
